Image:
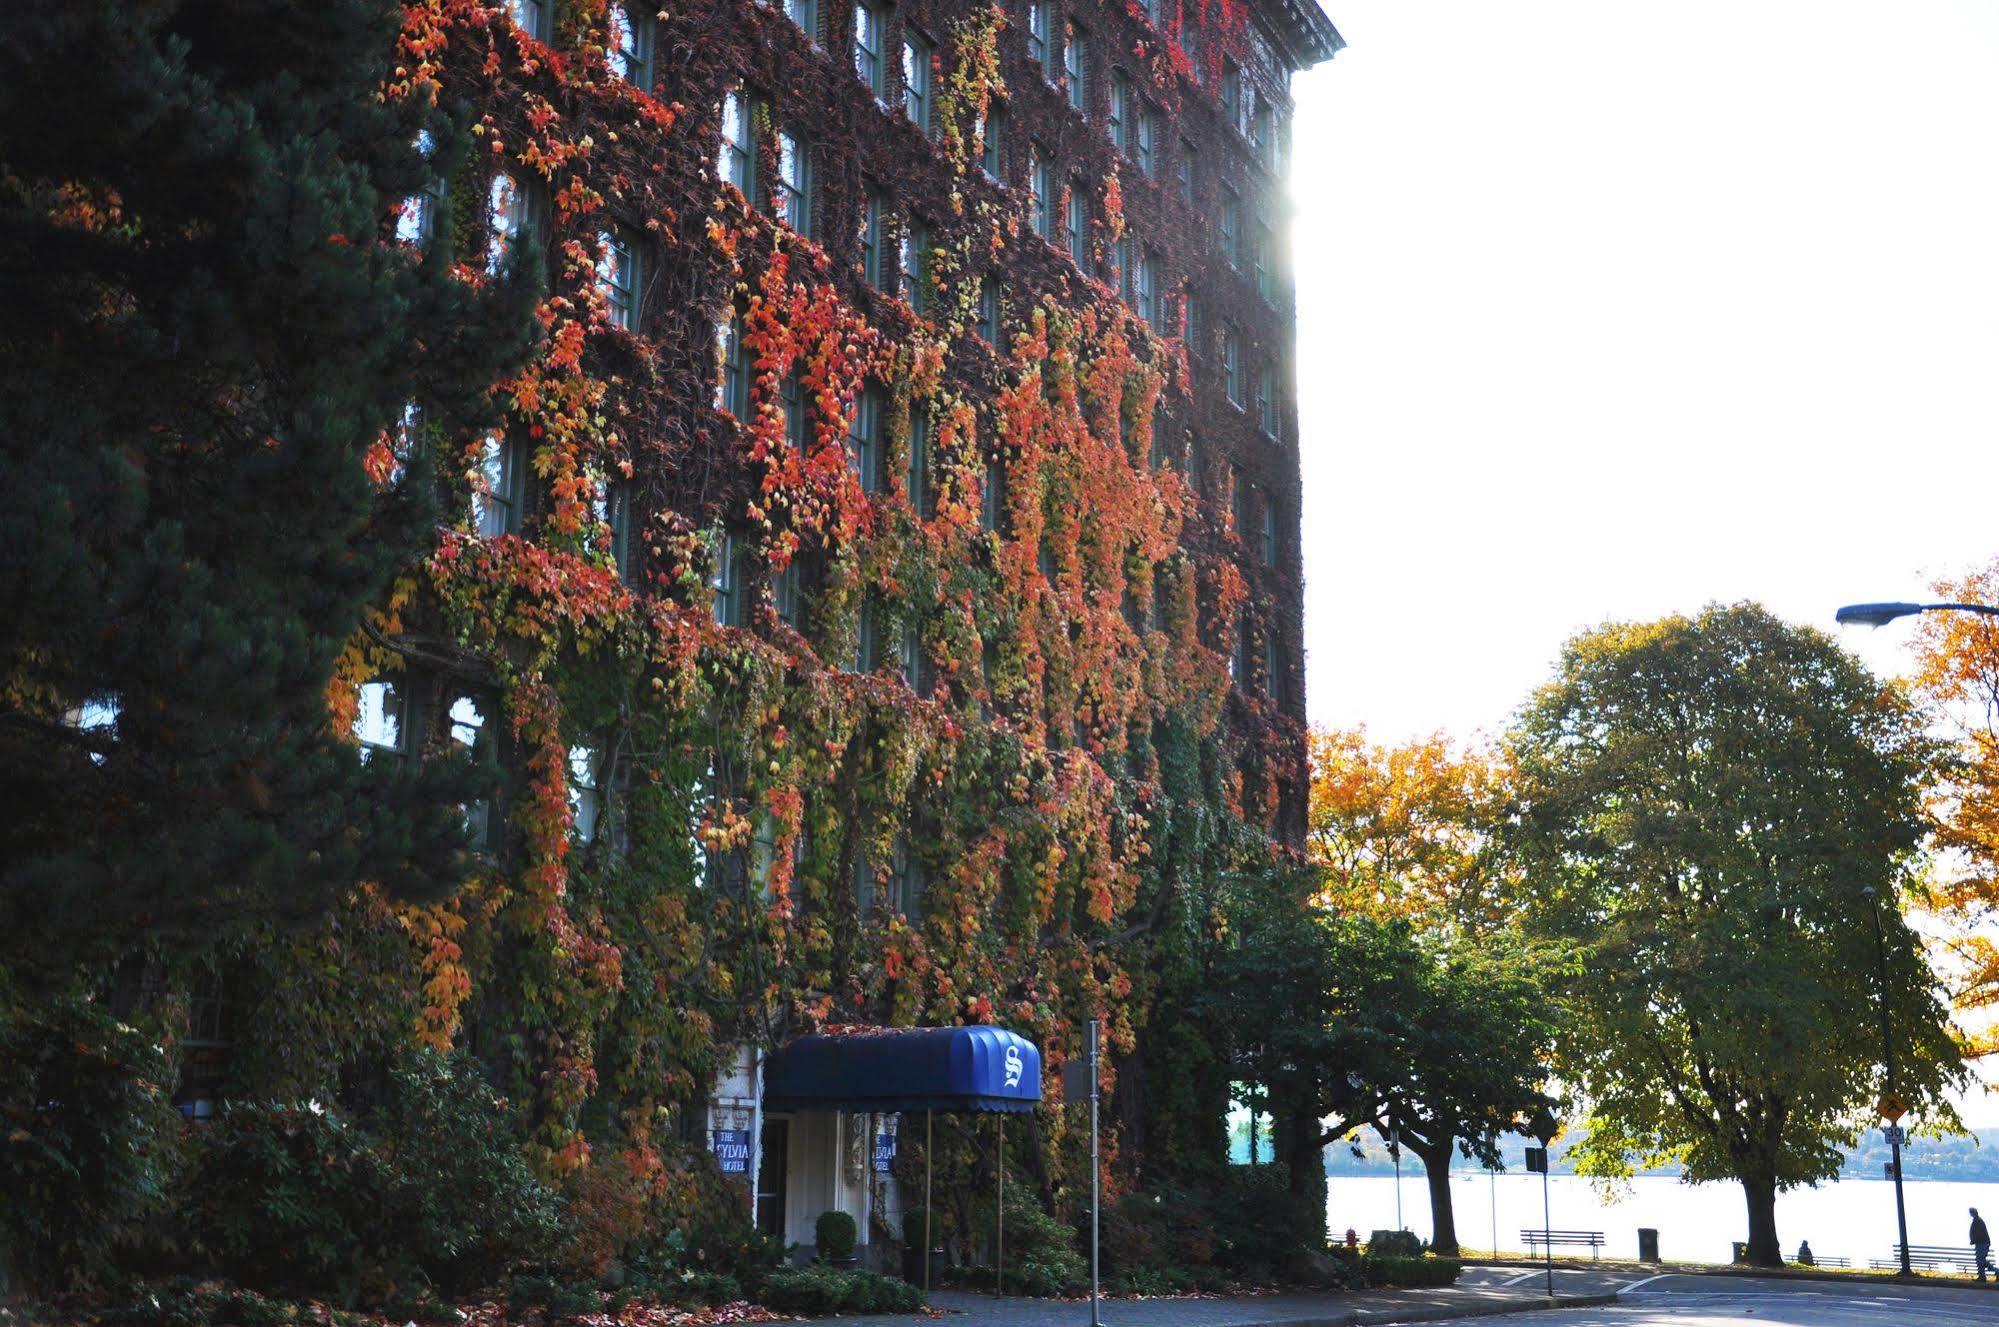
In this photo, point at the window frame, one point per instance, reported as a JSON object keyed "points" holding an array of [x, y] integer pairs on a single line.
{"points": [[875, 210], [917, 53], [500, 505], [872, 73], [1232, 385], [864, 437], [632, 63], [619, 276], [736, 157], [1075, 66], [791, 196], [913, 264]]}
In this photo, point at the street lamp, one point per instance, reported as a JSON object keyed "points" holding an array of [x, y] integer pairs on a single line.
{"points": [[1880, 615], [1894, 1129]]}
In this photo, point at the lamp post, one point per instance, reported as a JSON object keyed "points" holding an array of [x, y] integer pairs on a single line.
{"points": [[1880, 615], [1888, 1062]]}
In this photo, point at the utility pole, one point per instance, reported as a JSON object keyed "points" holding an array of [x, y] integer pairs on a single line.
{"points": [[1891, 1100]]}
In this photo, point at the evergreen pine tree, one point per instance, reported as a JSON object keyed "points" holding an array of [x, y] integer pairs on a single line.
{"points": [[209, 321]]}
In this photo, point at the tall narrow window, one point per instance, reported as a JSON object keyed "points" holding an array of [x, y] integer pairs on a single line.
{"points": [[1075, 59], [617, 516], [416, 222], [1270, 532], [1231, 92], [1141, 284], [1231, 226], [867, 638], [732, 389], [1118, 122], [470, 730], [805, 13], [1040, 193], [868, 30], [787, 593], [1276, 670], [531, 16], [791, 198], [992, 497], [916, 79], [1148, 143], [791, 404], [628, 43], [1239, 500], [1263, 135], [585, 795], [725, 583], [1183, 172], [503, 484], [864, 439], [509, 221], [909, 659], [736, 163], [873, 210], [1042, 46], [1260, 260], [618, 278], [381, 719], [1076, 227], [1232, 363], [1266, 398], [915, 264], [918, 480], [989, 313], [992, 140]]}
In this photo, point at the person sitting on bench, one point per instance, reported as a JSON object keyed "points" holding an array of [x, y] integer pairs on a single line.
{"points": [[1805, 1258]]}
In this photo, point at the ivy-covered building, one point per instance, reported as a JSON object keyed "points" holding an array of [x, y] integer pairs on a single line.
{"points": [[880, 593]]}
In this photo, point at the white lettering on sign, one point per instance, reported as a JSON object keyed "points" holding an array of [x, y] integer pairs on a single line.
{"points": [[1014, 1067]]}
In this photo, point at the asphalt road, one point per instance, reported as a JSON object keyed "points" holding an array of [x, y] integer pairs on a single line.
{"points": [[1729, 1301]]}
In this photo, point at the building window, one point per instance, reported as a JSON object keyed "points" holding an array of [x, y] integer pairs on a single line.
{"points": [[532, 16], [867, 638], [868, 29], [1266, 398], [1231, 226], [791, 194], [1119, 121], [1148, 143], [586, 799], [416, 221], [502, 485], [737, 162], [1259, 256], [914, 263], [918, 480], [907, 881], [787, 593], [510, 225], [1262, 134], [1231, 92], [1141, 284], [1269, 515], [1239, 500], [725, 582], [616, 515], [989, 313], [992, 497], [381, 719], [1232, 363], [1183, 172], [1042, 48], [909, 659], [872, 211], [469, 729], [628, 44], [1276, 682], [1040, 193], [618, 278], [1076, 227], [791, 404], [732, 390], [864, 444], [805, 13], [916, 80], [992, 138], [1075, 58]]}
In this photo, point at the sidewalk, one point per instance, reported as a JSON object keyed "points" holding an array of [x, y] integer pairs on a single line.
{"points": [[1329, 1309]]}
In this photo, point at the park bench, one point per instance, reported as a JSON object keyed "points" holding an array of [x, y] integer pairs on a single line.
{"points": [[1593, 1239], [1829, 1260], [1930, 1257]]}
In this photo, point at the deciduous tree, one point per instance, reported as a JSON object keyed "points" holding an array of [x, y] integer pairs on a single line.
{"points": [[1704, 801]]}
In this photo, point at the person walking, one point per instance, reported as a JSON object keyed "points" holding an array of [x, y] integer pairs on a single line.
{"points": [[1981, 1244]]}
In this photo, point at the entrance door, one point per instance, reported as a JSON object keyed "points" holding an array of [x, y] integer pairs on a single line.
{"points": [[770, 1177]]}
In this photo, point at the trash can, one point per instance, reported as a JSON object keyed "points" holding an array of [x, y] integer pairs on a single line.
{"points": [[1648, 1245], [1741, 1250]]}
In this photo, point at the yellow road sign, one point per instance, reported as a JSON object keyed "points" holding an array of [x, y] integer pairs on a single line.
{"points": [[1891, 1107]]}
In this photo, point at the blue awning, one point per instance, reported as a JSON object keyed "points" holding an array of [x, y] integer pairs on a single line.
{"points": [[906, 1069]]}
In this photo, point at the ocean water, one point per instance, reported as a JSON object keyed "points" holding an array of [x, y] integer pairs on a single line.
{"points": [[1696, 1222]]}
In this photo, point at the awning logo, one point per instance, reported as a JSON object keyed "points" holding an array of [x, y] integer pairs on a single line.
{"points": [[1014, 1068]]}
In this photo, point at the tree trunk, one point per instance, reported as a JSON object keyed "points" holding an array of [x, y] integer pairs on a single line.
{"points": [[1443, 1219], [1296, 1139], [1760, 1191]]}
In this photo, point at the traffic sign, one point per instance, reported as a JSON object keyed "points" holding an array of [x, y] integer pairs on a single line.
{"points": [[1537, 1159], [1892, 1135], [1891, 1107]]}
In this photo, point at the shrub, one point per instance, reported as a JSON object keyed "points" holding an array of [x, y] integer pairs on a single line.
{"points": [[1258, 1224], [706, 1249], [820, 1289], [835, 1234], [1041, 1256], [560, 1299], [913, 1221], [1394, 1244], [1398, 1270], [87, 1140]]}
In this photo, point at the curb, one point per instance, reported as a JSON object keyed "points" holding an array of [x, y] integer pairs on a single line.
{"points": [[1440, 1312]]}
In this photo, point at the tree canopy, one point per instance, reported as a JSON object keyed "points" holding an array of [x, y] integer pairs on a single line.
{"points": [[1704, 803]]}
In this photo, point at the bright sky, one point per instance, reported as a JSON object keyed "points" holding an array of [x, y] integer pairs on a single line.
{"points": [[1611, 308]]}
